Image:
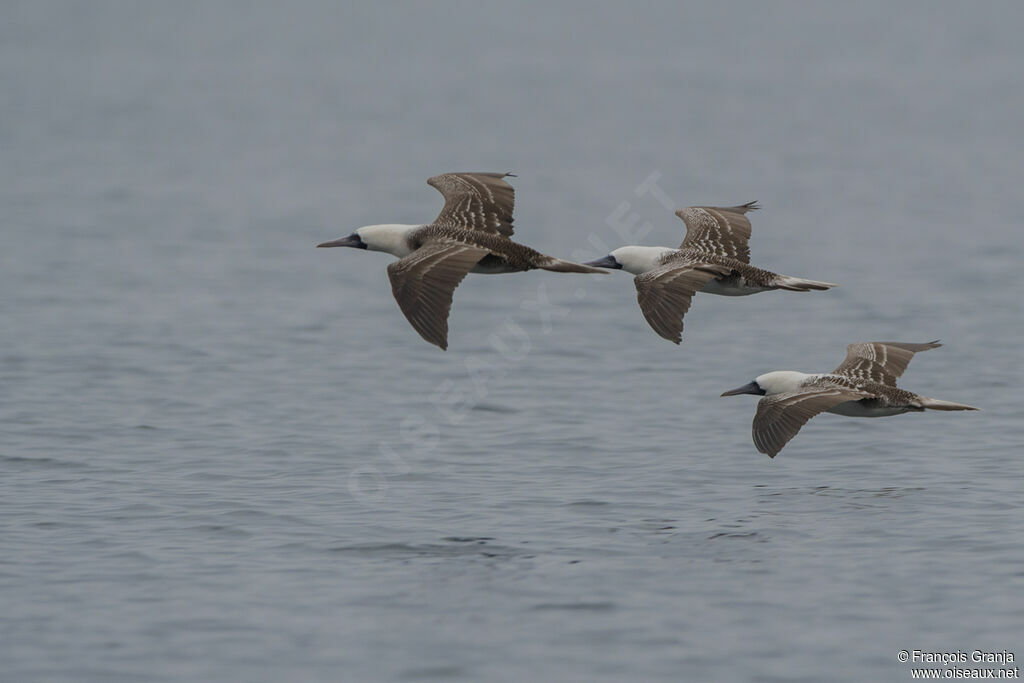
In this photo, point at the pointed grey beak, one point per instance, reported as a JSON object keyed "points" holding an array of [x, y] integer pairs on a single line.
{"points": [[606, 262], [350, 241], [752, 388]]}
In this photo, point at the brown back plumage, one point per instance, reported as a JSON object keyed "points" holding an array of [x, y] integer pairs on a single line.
{"points": [[476, 201], [722, 231]]}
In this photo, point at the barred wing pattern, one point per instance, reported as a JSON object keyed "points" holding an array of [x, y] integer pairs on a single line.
{"points": [[476, 201], [881, 362], [722, 231]]}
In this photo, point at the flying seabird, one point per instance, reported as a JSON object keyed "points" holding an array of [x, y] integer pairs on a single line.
{"points": [[714, 257], [864, 385], [470, 235]]}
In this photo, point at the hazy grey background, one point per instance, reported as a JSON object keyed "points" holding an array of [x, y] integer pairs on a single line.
{"points": [[226, 456]]}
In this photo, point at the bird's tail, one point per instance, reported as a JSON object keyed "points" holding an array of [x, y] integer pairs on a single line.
{"points": [[562, 266], [936, 404], [796, 284]]}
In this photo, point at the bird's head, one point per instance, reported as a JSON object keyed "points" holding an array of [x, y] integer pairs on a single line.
{"points": [[770, 383], [390, 237], [632, 259]]}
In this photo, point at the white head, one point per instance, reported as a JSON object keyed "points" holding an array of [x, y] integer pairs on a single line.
{"points": [[771, 383], [633, 259], [389, 237]]}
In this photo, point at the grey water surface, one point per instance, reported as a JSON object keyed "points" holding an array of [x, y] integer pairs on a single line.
{"points": [[225, 455]]}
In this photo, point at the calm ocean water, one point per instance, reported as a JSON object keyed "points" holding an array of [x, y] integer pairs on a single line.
{"points": [[225, 455]]}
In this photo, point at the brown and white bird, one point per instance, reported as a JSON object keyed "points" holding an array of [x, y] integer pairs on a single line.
{"points": [[714, 258], [864, 385], [470, 235]]}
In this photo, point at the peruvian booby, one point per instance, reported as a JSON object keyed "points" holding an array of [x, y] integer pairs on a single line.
{"points": [[714, 257], [470, 235], [864, 385]]}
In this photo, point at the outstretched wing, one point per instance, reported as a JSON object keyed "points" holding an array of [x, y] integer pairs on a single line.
{"points": [[424, 281], [881, 362], [780, 416], [476, 201], [723, 231], [664, 294]]}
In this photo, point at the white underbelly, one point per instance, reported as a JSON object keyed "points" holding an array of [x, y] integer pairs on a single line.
{"points": [[731, 287], [858, 409]]}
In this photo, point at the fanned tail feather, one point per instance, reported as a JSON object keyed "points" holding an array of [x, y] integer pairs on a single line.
{"points": [[796, 284], [562, 266], [936, 404]]}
